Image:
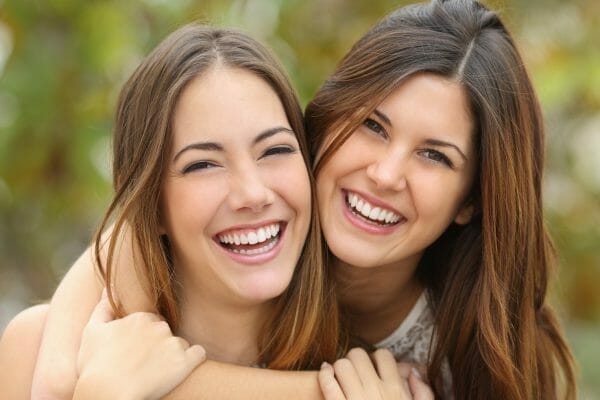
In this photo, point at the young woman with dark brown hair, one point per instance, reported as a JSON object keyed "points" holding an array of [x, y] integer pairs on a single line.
{"points": [[428, 143]]}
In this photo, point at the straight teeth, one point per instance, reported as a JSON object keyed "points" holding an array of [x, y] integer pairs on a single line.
{"points": [[367, 210], [260, 250], [251, 236]]}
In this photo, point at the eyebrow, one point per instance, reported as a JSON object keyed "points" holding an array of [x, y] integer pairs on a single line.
{"points": [[214, 146], [436, 142], [433, 142]]}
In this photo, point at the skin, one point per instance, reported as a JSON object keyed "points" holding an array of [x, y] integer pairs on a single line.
{"points": [[403, 167], [415, 157], [225, 176], [232, 175]]}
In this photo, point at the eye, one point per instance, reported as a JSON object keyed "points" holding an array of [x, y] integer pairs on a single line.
{"points": [[199, 165], [375, 127], [278, 150], [437, 157]]}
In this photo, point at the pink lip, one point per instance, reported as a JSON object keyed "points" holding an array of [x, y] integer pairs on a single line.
{"points": [[256, 259], [363, 225]]}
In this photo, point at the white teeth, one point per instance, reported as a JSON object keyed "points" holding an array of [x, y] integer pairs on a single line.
{"points": [[260, 250], [366, 210], [382, 215], [251, 237], [370, 211], [374, 215], [261, 236]]}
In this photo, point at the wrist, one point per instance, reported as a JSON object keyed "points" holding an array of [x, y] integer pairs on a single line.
{"points": [[94, 386]]}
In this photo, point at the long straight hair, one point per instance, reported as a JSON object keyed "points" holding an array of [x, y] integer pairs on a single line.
{"points": [[494, 271], [297, 336]]}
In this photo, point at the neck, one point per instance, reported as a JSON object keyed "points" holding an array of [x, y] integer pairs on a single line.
{"points": [[228, 332], [377, 299]]}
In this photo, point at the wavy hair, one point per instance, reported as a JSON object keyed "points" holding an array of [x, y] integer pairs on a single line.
{"points": [[297, 336], [494, 271]]}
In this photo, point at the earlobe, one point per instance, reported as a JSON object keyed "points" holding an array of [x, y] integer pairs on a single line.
{"points": [[465, 214]]}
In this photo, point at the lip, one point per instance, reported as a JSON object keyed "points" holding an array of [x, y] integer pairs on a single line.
{"points": [[254, 259], [363, 225]]}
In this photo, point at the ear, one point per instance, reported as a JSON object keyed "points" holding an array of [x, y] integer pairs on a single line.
{"points": [[465, 214]]}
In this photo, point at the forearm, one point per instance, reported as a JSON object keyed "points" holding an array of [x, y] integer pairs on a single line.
{"points": [[213, 380], [56, 372]]}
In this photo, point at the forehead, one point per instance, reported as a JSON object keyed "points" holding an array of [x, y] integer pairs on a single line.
{"points": [[226, 103], [431, 104]]}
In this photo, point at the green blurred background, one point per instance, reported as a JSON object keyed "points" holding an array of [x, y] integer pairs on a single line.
{"points": [[62, 63]]}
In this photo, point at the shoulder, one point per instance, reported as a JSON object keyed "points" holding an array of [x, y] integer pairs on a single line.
{"points": [[18, 351]]}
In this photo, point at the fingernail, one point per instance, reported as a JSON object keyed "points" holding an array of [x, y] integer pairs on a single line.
{"points": [[416, 373], [325, 364], [104, 294]]}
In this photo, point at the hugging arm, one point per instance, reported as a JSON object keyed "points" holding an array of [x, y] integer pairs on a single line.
{"points": [[72, 304]]}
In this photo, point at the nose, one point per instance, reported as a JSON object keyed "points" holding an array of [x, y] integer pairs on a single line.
{"points": [[248, 191], [388, 171]]}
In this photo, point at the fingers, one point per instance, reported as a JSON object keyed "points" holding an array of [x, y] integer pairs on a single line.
{"points": [[348, 379], [419, 389], [195, 355], [329, 386], [364, 369], [386, 365]]}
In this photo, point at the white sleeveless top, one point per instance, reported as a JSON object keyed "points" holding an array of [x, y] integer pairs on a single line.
{"points": [[411, 341]]}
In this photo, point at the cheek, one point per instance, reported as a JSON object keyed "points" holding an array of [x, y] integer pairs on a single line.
{"points": [[438, 195], [189, 205]]}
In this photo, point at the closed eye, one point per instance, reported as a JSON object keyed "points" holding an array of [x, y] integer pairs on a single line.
{"points": [[375, 127], [437, 157], [278, 150], [198, 166]]}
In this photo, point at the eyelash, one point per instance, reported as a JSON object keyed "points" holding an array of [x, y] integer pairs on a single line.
{"points": [[375, 127], [273, 151], [437, 157], [278, 150], [432, 155], [198, 166]]}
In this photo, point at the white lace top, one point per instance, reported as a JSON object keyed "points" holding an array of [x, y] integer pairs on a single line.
{"points": [[411, 340]]}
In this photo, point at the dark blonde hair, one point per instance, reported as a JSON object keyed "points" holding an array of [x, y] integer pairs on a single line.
{"points": [[298, 336], [489, 278]]}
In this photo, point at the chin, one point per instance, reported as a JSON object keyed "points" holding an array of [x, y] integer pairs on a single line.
{"points": [[263, 290]]}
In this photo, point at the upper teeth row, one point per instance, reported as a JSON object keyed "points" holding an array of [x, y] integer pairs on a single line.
{"points": [[368, 210], [251, 236]]}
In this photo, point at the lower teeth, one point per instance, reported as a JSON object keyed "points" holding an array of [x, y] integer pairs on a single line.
{"points": [[260, 250]]}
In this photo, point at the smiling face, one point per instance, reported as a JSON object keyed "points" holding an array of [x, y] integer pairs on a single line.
{"points": [[236, 192], [402, 177]]}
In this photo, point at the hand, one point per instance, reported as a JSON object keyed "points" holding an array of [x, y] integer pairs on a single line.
{"points": [[135, 357], [355, 378]]}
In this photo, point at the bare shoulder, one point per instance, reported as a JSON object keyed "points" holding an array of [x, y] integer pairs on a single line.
{"points": [[18, 351]]}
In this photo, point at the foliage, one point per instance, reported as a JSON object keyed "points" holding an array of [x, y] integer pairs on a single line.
{"points": [[62, 63]]}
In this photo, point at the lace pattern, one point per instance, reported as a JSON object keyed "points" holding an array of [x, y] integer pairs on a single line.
{"points": [[412, 340]]}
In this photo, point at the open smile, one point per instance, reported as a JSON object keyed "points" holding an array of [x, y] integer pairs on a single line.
{"points": [[252, 245], [369, 215]]}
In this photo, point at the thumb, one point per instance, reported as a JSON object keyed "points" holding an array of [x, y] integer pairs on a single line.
{"points": [[103, 312], [419, 389]]}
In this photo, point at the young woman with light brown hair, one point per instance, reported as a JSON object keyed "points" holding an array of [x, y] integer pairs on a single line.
{"points": [[212, 186], [428, 143]]}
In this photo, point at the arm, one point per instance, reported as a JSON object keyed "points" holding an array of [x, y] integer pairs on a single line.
{"points": [[135, 357], [55, 371], [72, 304], [18, 352]]}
